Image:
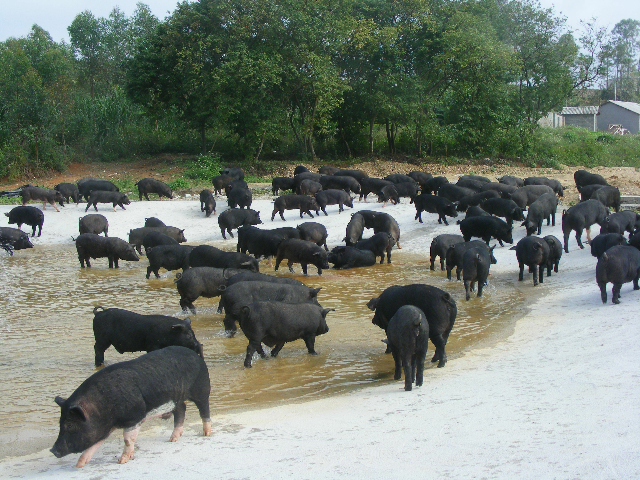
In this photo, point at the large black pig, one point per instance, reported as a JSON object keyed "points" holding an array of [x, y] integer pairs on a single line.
{"points": [[408, 340], [94, 223], [235, 296], [583, 178], [604, 241], [618, 265], [303, 252], [236, 173], [128, 331], [381, 222], [32, 216], [169, 257], [247, 276], [239, 197], [545, 206], [207, 282], [434, 204], [263, 243], [582, 216], [151, 185], [439, 247], [276, 323], [555, 185], [207, 202], [525, 196], [153, 222], [290, 202], [486, 228], [620, 222], [219, 182], [137, 235], [437, 305], [534, 253], [154, 239], [609, 196], [333, 197], [343, 257], [502, 207], [555, 253], [372, 185], [209, 256], [69, 191], [101, 196], [44, 195], [88, 185], [340, 182], [455, 255], [281, 183], [90, 245], [234, 218], [355, 228], [125, 394], [15, 238], [476, 262], [313, 232], [379, 244]]}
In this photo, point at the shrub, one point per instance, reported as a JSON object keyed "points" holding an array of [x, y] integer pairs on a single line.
{"points": [[204, 167]]}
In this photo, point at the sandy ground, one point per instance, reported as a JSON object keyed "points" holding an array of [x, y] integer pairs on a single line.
{"points": [[557, 398]]}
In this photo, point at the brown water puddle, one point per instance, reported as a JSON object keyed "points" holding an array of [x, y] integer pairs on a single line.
{"points": [[46, 337]]}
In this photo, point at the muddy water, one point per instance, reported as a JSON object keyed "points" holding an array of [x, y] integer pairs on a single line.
{"points": [[46, 337]]}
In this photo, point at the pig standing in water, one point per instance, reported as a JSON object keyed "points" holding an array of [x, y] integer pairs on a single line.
{"points": [[125, 394]]}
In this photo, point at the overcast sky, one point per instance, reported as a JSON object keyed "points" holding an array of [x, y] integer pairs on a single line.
{"points": [[17, 16]]}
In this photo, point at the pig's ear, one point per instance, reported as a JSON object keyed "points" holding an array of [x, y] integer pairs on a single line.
{"points": [[187, 321], [6, 214], [76, 411], [178, 326], [60, 400]]}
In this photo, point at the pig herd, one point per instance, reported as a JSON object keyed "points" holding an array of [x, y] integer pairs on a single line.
{"points": [[273, 310]]}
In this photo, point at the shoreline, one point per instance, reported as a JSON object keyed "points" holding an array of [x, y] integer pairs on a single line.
{"points": [[555, 397]]}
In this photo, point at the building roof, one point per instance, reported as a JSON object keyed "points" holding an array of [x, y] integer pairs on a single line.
{"points": [[631, 106], [590, 110]]}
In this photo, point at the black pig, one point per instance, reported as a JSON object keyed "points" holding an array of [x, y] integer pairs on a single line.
{"points": [[90, 245], [380, 243], [486, 228], [234, 218], [313, 232], [131, 332], [32, 216], [439, 247], [437, 305], [303, 252], [207, 202], [125, 394], [618, 265], [151, 185], [408, 337], [290, 202], [534, 253], [276, 323], [15, 238], [333, 197], [94, 223], [101, 196], [169, 257], [604, 241], [209, 256], [582, 216], [343, 257], [69, 191], [44, 195], [434, 204]]}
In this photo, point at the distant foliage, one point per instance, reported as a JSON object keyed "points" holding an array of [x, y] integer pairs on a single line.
{"points": [[204, 167]]}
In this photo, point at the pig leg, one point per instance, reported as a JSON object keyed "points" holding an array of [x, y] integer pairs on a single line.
{"points": [[603, 291], [304, 268], [310, 341], [251, 349], [406, 364], [535, 274], [579, 237], [420, 367], [276, 350], [87, 454], [178, 421], [440, 356], [541, 273], [615, 293], [466, 289], [589, 234], [397, 373], [99, 350], [480, 286], [281, 212], [290, 265], [130, 436], [44, 205], [55, 206], [521, 274]]}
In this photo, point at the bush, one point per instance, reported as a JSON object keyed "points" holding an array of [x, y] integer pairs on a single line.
{"points": [[179, 184], [204, 167]]}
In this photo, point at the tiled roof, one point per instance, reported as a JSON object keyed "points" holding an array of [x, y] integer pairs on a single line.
{"points": [[590, 110]]}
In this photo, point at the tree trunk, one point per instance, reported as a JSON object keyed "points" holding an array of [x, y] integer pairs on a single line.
{"points": [[372, 122], [264, 134]]}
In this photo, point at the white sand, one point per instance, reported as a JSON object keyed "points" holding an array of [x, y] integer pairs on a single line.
{"points": [[558, 398]]}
